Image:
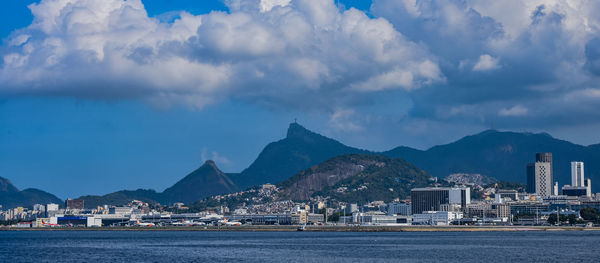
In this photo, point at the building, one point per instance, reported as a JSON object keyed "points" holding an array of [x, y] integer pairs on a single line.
{"points": [[543, 179], [74, 204], [531, 178], [399, 209], [378, 218], [431, 198], [120, 210], [544, 158], [488, 210], [577, 175], [351, 208], [436, 218], [588, 185], [574, 190], [501, 195]]}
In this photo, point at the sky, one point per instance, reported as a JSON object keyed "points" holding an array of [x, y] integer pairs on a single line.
{"points": [[102, 95]]}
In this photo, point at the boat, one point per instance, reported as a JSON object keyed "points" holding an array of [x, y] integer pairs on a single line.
{"points": [[301, 228]]}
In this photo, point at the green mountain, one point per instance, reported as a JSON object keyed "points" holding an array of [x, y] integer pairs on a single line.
{"points": [[504, 156], [11, 197], [501, 155], [356, 178], [282, 159], [205, 181]]}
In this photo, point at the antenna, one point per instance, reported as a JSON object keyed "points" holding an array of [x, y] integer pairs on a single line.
{"points": [[295, 120]]}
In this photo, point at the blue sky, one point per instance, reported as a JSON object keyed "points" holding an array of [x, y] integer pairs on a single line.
{"points": [[94, 101]]}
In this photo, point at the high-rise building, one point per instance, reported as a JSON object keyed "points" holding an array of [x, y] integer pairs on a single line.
{"points": [[543, 158], [531, 178], [540, 175], [577, 175], [543, 179], [431, 198], [73, 204], [588, 186]]}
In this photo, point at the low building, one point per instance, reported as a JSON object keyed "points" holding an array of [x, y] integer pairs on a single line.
{"points": [[436, 218], [574, 190], [379, 219], [399, 209]]}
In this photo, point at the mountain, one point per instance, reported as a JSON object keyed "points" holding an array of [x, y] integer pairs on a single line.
{"points": [[121, 198], [503, 155], [282, 159], [11, 197], [356, 178], [205, 181]]}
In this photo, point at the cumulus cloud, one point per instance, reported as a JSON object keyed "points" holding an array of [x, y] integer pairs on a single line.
{"points": [[342, 120], [267, 51], [214, 156], [535, 53], [516, 110], [486, 62]]}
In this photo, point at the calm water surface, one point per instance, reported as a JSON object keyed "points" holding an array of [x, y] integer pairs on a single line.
{"points": [[134, 246]]}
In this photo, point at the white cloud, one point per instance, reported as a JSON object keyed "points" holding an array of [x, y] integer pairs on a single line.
{"points": [[207, 155], [342, 120], [486, 62], [267, 5], [516, 110], [262, 50]]}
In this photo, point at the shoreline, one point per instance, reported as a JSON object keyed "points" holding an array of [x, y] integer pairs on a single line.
{"points": [[292, 228]]}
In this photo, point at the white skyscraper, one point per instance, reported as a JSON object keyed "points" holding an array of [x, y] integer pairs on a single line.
{"points": [[577, 175], [543, 179]]}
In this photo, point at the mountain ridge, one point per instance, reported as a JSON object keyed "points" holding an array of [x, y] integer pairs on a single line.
{"points": [[11, 197]]}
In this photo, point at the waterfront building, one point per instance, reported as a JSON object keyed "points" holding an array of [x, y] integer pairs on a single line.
{"points": [[120, 210], [399, 209], [577, 174], [436, 218], [431, 198]]}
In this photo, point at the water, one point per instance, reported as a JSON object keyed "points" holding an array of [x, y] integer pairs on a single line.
{"points": [[158, 246]]}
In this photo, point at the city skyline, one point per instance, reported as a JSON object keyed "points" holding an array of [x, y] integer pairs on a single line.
{"points": [[154, 88]]}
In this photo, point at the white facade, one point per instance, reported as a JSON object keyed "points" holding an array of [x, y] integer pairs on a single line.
{"points": [[51, 207], [94, 222], [577, 175], [543, 179], [436, 218]]}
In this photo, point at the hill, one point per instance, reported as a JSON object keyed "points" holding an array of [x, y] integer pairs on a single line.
{"points": [[502, 155], [11, 197], [205, 181], [356, 178], [282, 159]]}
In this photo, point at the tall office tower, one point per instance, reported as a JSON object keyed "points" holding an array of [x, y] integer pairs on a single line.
{"points": [[543, 179], [577, 176], [588, 186], [431, 198], [531, 178], [543, 158], [543, 174]]}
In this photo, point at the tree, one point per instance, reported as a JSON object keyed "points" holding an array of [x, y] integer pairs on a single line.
{"points": [[572, 219], [589, 214], [563, 219]]}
